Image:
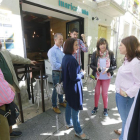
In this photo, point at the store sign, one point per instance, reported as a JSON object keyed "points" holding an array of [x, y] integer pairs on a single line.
{"points": [[6, 29], [73, 8]]}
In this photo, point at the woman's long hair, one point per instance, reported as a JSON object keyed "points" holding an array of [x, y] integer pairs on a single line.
{"points": [[132, 47], [100, 42]]}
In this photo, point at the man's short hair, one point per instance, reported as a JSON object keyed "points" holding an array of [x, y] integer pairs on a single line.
{"points": [[55, 36], [68, 47], [74, 30]]}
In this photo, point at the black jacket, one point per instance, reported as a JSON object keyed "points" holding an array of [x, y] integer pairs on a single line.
{"points": [[134, 128], [94, 60]]}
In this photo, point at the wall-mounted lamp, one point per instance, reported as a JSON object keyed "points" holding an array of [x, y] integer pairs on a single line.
{"points": [[95, 18]]}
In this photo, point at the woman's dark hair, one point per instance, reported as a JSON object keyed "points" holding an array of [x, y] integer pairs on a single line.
{"points": [[68, 47], [100, 42], [132, 44]]}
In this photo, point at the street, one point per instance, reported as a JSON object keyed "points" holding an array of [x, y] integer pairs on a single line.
{"points": [[50, 126]]}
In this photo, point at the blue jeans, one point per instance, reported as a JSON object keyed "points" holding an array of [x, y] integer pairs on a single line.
{"points": [[55, 78], [123, 104], [72, 119]]}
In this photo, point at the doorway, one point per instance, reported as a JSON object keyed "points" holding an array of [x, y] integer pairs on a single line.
{"points": [[43, 23], [79, 24], [102, 32]]}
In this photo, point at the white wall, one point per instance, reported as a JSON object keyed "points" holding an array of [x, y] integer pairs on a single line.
{"points": [[127, 27], [13, 6]]}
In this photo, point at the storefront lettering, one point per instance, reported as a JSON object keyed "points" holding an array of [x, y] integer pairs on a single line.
{"points": [[71, 7]]}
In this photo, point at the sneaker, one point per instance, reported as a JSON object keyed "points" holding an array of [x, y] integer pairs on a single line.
{"points": [[94, 111], [15, 134], [56, 110], [63, 104], [105, 113]]}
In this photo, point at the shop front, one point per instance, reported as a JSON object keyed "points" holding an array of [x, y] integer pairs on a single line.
{"points": [[28, 27], [42, 19]]}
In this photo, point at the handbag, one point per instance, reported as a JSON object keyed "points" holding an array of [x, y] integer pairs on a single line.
{"points": [[11, 113], [59, 86], [91, 83]]}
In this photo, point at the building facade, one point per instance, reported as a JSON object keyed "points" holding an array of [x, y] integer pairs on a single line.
{"points": [[111, 19]]}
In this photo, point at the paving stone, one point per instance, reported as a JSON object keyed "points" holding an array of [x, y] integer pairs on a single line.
{"points": [[45, 126]]}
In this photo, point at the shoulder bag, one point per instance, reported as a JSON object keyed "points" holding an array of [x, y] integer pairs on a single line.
{"points": [[11, 113]]}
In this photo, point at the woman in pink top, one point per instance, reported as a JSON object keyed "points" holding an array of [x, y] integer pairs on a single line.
{"points": [[6, 96], [103, 64], [128, 78]]}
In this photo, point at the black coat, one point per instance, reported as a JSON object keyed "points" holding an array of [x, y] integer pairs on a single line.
{"points": [[94, 61], [134, 128], [72, 82]]}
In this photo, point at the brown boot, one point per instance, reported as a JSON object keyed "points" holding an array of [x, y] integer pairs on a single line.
{"points": [[63, 104], [56, 110]]}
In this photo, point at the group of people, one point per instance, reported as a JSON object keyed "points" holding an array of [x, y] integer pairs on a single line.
{"points": [[8, 87], [66, 66]]}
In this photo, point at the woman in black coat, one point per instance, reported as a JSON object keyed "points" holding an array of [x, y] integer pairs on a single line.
{"points": [[72, 85]]}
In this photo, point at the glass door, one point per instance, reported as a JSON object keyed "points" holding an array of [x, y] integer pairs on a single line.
{"points": [[79, 24]]}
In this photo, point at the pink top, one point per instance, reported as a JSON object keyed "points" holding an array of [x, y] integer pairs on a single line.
{"points": [[6, 93], [128, 77]]}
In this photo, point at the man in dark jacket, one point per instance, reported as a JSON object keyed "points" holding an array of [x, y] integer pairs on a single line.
{"points": [[132, 127]]}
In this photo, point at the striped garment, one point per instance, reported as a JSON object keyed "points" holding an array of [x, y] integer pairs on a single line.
{"points": [[83, 48], [6, 93]]}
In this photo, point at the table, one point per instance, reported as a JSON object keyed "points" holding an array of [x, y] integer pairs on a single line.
{"points": [[26, 70]]}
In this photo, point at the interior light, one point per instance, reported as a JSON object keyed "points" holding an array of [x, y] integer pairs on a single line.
{"points": [[34, 32], [33, 36], [52, 33], [83, 1], [51, 30]]}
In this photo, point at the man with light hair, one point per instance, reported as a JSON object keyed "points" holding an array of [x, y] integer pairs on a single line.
{"points": [[55, 55]]}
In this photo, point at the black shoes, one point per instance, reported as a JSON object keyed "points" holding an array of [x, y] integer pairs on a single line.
{"points": [[105, 113], [15, 134], [94, 111]]}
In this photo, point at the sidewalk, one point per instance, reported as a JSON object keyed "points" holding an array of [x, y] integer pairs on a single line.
{"points": [[50, 126]]}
